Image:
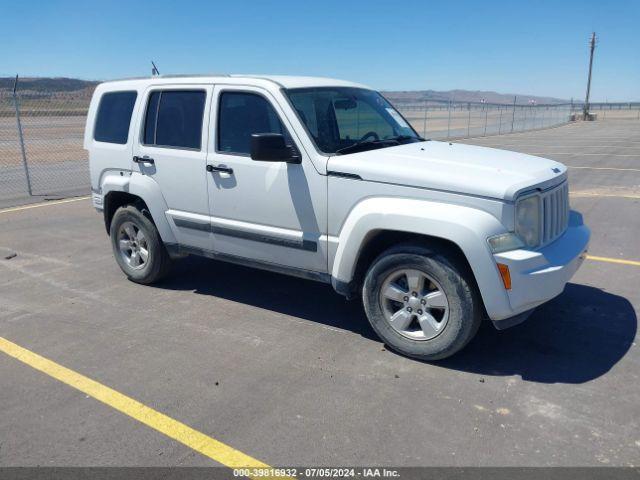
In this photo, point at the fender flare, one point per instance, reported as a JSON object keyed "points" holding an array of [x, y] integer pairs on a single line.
{"points": [[148, 190], [466, 227]]}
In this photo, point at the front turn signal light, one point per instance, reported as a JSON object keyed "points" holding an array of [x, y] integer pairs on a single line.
{"points": [[506, 276]]}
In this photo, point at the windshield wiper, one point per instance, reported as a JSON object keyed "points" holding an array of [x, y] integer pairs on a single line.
{"points": [[358, 145], [397, 140], [401, 138]]}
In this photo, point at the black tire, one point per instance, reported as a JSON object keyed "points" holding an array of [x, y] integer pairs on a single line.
{"points": [[159, 262], [464, 307]]}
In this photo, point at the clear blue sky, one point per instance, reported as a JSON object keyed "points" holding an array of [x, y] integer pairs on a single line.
{"points": [[517, 46]]}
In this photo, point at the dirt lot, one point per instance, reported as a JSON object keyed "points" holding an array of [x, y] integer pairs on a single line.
{"points": [[289, 373]]}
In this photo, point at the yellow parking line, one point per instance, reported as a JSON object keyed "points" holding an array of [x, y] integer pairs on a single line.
{"points": [[174, 429], [590, 154], [608, 168], [610, 195], [613, 260], [43, 204]]}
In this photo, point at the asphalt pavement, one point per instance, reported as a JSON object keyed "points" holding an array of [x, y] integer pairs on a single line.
{"points": [[290, 373]]}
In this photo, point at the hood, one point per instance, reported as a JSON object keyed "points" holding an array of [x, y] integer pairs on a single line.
{"points": [[457, 168]]}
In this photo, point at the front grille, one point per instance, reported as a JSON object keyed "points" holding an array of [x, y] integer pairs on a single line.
{"points": [[555, 213]]}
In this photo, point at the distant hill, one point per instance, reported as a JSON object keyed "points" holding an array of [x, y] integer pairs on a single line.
{"points": [[85, 87], [420, 96], [47, 85]]}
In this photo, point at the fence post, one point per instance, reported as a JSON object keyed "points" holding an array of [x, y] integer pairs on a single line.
{"points": [[468, 118], [21, 137], [486, 112], [500, 122], [424, 133], [449, 121], [571, 108], [513, 115]]}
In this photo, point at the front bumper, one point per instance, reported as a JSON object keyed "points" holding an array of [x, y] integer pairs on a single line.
{"points": [[97, 199], [537, 276]]}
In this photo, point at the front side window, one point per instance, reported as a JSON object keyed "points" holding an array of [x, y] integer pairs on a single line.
{"points": [[174, 119], [345, 120], [242, 114], [114, 117]]}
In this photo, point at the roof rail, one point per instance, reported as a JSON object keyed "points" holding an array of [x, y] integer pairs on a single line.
{"points": [[179, 75], [183, 75]]}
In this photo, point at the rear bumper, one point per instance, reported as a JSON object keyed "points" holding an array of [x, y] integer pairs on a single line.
{"points": [[537, 276]]}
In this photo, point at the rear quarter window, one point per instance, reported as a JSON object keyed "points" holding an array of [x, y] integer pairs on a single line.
{"points": [[114, 117]]}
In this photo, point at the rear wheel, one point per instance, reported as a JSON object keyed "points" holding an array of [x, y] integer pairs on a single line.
{"points": [[137, 246], [421, 303]]}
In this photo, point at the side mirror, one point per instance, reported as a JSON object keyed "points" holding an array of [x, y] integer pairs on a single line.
{"points": [[271, 147]]}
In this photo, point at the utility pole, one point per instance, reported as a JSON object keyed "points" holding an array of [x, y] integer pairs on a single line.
{"points": [[592, 47]]}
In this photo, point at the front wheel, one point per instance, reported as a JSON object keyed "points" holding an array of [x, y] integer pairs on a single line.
{"points": [[137, 246], [420, 303]]}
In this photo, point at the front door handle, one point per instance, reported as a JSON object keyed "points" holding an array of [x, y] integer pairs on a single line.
{"points": [[144, 159], [211, 168]]}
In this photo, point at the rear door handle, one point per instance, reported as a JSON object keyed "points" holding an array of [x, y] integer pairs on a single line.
{"points": [[211, 168], [144, 159]]}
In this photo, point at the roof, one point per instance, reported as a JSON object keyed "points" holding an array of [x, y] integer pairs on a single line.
{"points": [[290, 81], [286, 81]]}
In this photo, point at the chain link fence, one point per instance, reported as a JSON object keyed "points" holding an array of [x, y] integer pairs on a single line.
{"points": [[451, 120], [616, 111], [41, 152], [41, 135]]}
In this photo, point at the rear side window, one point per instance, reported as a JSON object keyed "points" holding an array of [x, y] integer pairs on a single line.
{"points": [[242, 114], [114, 117], [174, 119]]}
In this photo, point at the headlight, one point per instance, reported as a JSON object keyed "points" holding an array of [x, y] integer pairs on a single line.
{"points": [[504, 242], [528, 220]]}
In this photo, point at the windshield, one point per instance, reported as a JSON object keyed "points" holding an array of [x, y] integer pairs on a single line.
{"points": [[344, 120]]}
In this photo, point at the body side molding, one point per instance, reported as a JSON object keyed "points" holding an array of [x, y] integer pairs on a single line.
{"points": [[178, 250], [245, 231]]}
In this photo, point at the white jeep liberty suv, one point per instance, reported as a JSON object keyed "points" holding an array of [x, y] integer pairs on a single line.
{"points": [[325, 180]]}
